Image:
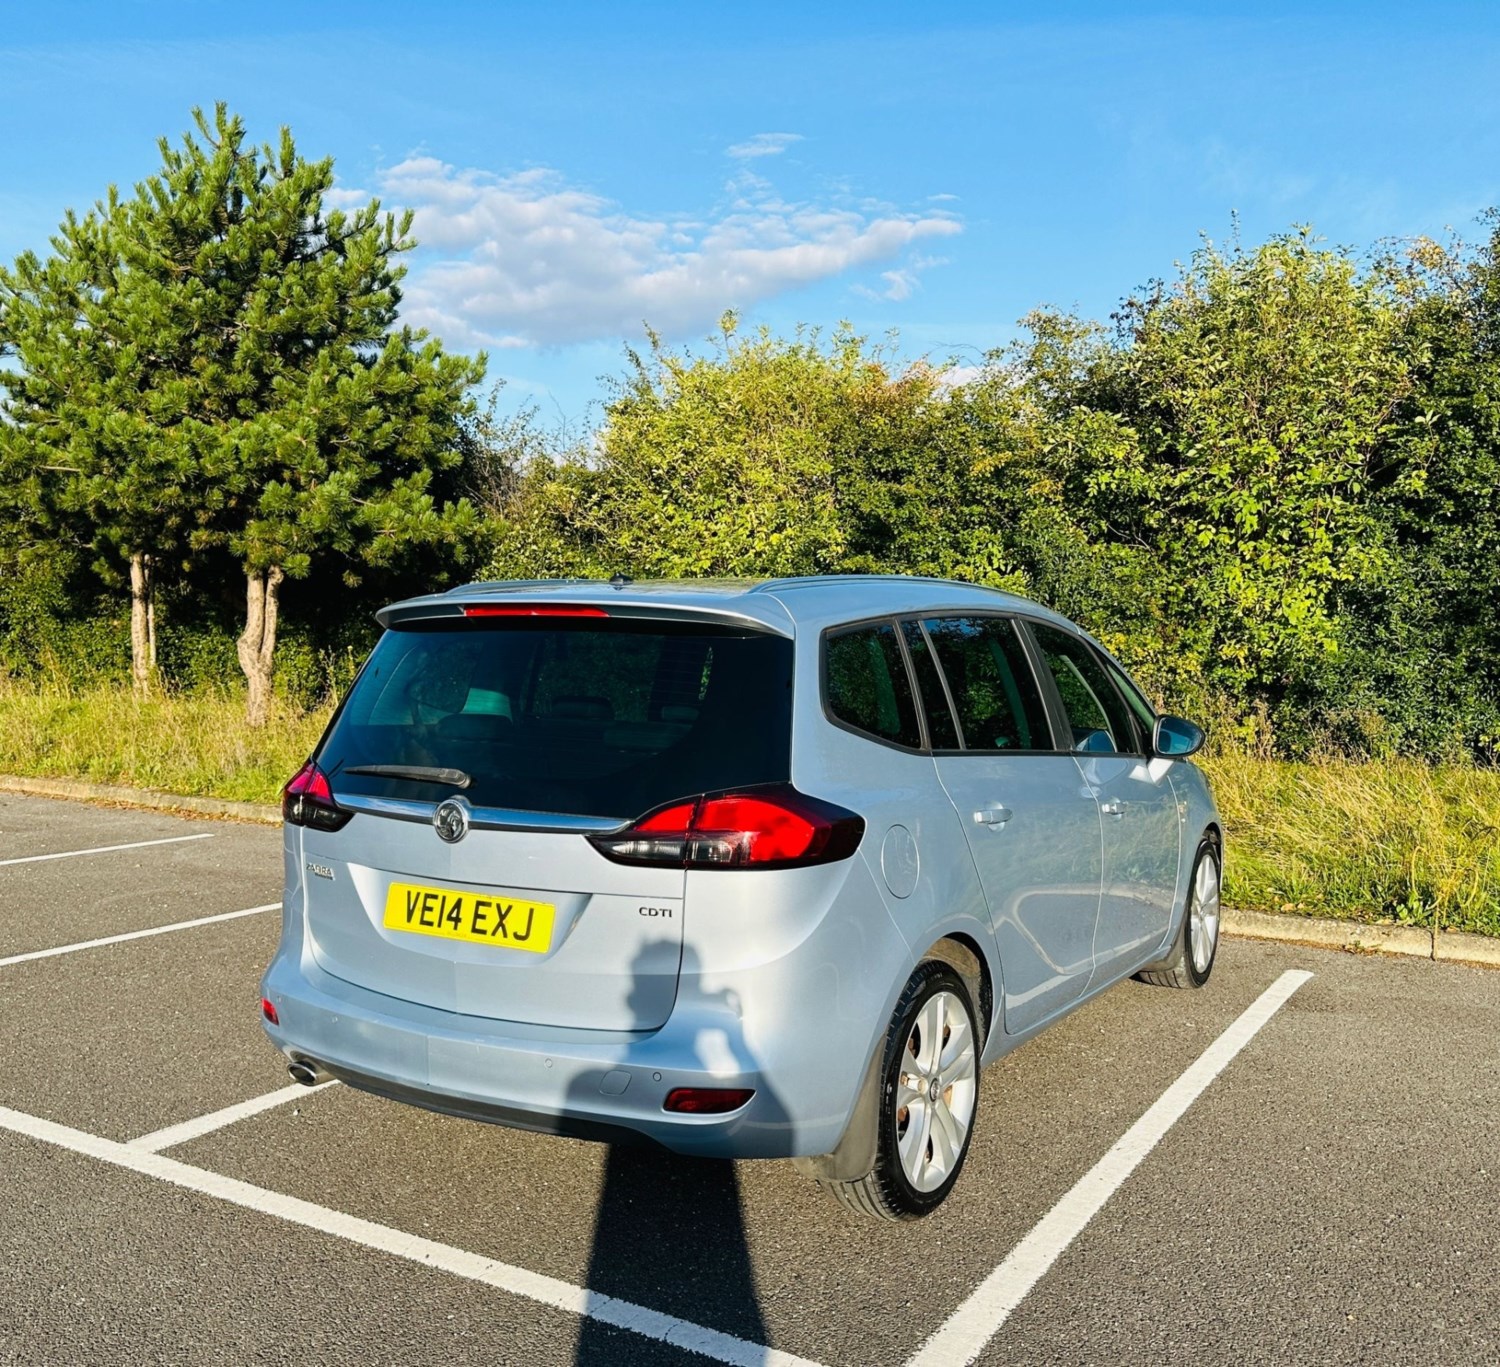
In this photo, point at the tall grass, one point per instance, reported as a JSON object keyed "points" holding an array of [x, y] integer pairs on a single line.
{"points": [[1394, 840], [191, 743], [1389, 841]]}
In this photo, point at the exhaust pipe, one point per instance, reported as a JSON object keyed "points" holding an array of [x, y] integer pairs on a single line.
{"points": [[308, 1073]]}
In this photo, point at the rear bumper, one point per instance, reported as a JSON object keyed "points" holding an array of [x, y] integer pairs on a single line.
{"points": [[492, 1113], [588, 1084]]}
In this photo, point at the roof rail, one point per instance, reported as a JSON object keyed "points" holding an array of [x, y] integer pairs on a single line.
{"points": [[813, 580], [507, 585]]}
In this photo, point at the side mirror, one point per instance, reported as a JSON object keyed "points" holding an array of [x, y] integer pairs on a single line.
{"points": [[1174, 738]]}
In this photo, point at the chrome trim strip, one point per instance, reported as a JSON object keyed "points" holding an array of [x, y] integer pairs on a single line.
{"points": [[403, 809], [482, 818]]}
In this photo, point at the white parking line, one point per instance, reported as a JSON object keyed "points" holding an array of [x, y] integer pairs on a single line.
{"points": [[975, 1322], [173, 1135], [577, 1300], [135, 935], [106, 849]]}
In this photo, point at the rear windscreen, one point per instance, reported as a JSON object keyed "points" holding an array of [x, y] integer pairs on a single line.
{"points": [[590, 718]]}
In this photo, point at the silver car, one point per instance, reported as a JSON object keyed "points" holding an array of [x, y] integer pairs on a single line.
{"points": [[747, 870]]}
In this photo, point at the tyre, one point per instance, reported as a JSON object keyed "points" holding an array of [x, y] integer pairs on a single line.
{"points": [[928, 1098], [1192, 957]]}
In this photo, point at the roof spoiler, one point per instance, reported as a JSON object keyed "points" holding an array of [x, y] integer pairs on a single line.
{"points": [[516, 607]]}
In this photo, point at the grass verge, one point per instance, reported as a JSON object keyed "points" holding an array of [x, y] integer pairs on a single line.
{"points": [[1389, 841], [194, 744], [1395, 841]]}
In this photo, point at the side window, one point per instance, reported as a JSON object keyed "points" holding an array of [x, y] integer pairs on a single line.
{"points": [[934, 701], [1099, 721], [999, 704], [868, 687], [1135, 700]]}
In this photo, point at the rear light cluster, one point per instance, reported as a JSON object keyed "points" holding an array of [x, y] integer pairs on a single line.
{"points": [[761, 828], [308, 801]]}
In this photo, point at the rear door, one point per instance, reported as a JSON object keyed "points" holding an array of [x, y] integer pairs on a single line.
{"points": [[1136, 802], [1032, 825], [552, 728]]}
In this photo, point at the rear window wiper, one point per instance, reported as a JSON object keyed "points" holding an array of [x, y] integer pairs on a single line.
{"points": [[417, 773]]}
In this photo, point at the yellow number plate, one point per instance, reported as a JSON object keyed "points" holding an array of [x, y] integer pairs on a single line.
{"points": [[479, 918]]}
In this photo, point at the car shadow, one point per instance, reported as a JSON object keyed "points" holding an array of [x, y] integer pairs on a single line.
{"points": [[669, 1231]]}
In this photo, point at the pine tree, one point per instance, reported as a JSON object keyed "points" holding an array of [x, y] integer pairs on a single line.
{"points": [[84, 457], [216, 362]]}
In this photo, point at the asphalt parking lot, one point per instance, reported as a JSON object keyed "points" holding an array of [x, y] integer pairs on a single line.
{"points": [[1328, 1193]]}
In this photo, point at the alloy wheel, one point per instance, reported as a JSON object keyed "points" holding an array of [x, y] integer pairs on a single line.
{"points": [[1203, 926], [935, 1091]]}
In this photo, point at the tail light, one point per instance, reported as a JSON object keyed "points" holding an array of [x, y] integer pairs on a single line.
{"points": [[761, 828], [308, 801]]}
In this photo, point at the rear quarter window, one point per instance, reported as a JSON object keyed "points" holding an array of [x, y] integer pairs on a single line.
{"points": [[866, 686]]}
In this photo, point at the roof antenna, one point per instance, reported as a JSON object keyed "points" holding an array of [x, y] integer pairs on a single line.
{"points": [[619, 581]]}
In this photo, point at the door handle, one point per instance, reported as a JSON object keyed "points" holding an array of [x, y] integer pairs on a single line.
{"points": [[992, 814], [1114, 807]]}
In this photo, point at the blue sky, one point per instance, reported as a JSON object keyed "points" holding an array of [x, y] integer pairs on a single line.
{"points": [[579, 169]]}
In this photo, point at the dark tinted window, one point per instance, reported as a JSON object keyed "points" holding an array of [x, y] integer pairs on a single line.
{"points": [[867, 683], [999, 704], [588, 718], [940, 725], [1096, 715]]}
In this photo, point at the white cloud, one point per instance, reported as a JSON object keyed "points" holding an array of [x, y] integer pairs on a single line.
{"points": [[902, 283], [957, 376], [527, 259], [343, 198], [899, 285], [764, 145]]}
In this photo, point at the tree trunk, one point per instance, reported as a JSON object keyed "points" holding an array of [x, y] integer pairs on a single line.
{"points": [[142, 634], [257, 646]]}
